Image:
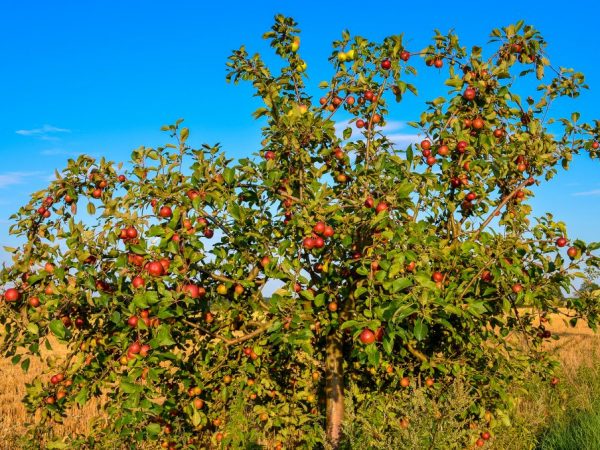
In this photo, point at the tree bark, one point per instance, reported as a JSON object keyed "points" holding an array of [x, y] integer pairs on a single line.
{"points": [[334, 389]]}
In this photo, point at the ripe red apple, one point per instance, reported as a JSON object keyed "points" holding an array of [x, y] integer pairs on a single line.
{"points": [[431, 161], [461, 147], [328, 232], [34, 302], [12, 295], [369, 202], [437, 277], [486, 276], [269, 155], [404, 55], [360, 123], [443, 150], [208, 232], [144, 349], [438, 63], [405, 382], [572, 252], [479, 442], [386, 64], [426, 153], [478, 123], [554, 381], [165, 212], [192, 290], [470, 196], [410, 267], [498, 133], [595, 145], [137, 282], [469, 94], [486, 435], [425, 144], [134, 348], [132, 321], [97, 193], [122, 178], [379, 334], [367, 336], [517, 287], [350, 100], [264, 262], [561, 242], [308, 243], [318, 242], [131, 233], [381, 206], [155, 268], [319, 227]]}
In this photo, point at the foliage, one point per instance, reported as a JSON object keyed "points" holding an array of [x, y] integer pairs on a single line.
{"points": [[393, 263]]}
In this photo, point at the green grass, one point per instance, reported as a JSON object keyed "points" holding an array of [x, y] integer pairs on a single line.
{"points": [[580, 432]]}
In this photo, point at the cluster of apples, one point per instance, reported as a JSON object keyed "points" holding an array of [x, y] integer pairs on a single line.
{"points": [[321, 231]]}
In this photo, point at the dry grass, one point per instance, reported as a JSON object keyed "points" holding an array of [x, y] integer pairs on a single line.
{"points": [[13, 415], [574, 348]]}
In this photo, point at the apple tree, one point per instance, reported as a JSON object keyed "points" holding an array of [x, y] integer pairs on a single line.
{"points": [[215, 301]]}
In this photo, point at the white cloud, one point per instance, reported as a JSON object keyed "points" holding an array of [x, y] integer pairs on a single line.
{"points": [[46, 132], [12, 178], [592, 193], [402, 140]]}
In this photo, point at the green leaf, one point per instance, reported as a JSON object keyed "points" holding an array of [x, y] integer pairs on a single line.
{"points": [[420, 330], [58, 329], [82, 396], [163, 337], [153, 430]]}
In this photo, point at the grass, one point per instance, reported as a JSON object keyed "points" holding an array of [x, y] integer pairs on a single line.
{"points": [[562, 418]]}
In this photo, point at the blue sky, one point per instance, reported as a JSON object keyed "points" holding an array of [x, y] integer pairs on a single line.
{"points": [[101, 77]]}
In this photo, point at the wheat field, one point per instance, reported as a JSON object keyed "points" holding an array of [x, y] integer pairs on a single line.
{"points": [[573, 348]]}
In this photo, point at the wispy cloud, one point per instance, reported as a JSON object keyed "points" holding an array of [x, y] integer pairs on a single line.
{"points": [[12, 178], [592, 193], [398, 138], [403, 140], [46, 132]]}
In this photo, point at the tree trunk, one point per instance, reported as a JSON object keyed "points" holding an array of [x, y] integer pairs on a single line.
{"points": [[334, 388]]}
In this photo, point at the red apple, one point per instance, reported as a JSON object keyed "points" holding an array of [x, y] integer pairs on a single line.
{"points": [[132, 321], [12, 295], [561, 242], [165, 212], [386, 64], [308, 243], [367, 336], [192, 290], [404, 55], [381, 206], [319, 228], [572, 252], [437, 277], [469, 94], [155, 268]]}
